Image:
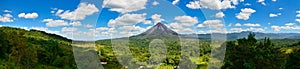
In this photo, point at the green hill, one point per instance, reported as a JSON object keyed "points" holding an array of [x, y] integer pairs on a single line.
{"points": [[34, 49]]}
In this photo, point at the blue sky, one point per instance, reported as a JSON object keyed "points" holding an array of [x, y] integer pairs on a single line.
{"points": [[104, 19]]}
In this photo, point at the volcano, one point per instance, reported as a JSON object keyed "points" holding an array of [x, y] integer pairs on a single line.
{"points": [[159, 30]]}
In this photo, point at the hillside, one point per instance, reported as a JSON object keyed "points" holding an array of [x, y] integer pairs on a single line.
{"points": [[34, 49]]}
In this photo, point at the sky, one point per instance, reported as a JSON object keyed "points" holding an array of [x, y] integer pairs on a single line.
{"points": [[106, 19]]}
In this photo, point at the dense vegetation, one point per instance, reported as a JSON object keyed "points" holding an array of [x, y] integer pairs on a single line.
{"points": [[36, 49]]}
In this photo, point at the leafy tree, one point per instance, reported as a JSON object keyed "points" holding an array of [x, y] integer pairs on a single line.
{"points": [[248, 53]]}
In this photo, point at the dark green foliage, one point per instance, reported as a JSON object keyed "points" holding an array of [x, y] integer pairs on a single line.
{"points": [[250, 54], [34, 49], [293, 61]]}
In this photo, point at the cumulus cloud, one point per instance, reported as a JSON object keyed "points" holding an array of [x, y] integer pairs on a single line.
{"points": [[28, 15], [6, 18], [68, 29], [127, 19], [89, 26], [298, 20], [238, 24], [298, 16], [275, 28], [175, 2], [262, 2], [7, 11], [76, 23], [55, 23], [183, 24], [255, 29], [220, 15], [215, 24], [80, 13], [126, 31], [247, 4], [212, 4], [156, 18], [245, 13], [124, 6], [236, 29], [102, 29], [251, 25], [288, 26], [177, 27], [186, 20], [274, 15], [155, 3]]}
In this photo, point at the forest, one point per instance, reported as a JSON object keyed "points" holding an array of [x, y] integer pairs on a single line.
{"points": [[32, 49]]}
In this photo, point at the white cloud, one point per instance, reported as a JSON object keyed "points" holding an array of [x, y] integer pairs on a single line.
{"points": [[238, 24], [262, 2], [76, 23], [288, 26], [175, 2], [186, 20], [127, 19], [89, 26], [156, 18], [298, 12], [220, 15], [212, 4], [102, 29], [124, 6], [201, 26], [256, 29], [275, 28], [274, 15], [280, 8], [215, 24], [183, 24], [251, 25], [28, 15], [247, 4], [298, 20], [298, 15], [236, 29], [68, 29], [8, 11], [274, 0], [6, 18], [245, 13], [131, 30], [79, 13], [155, 3], [55, 23], [177, 27], [147, 22]]}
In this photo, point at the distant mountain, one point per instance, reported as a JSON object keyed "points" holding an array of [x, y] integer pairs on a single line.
{"points": [[158, 30], [259, 35]]}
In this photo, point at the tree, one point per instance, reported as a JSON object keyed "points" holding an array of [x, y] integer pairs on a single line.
{"points": [[250, 54]]}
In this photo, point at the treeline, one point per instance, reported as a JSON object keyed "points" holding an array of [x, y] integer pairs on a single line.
{"points": [[22, 49], [249, 53]]}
